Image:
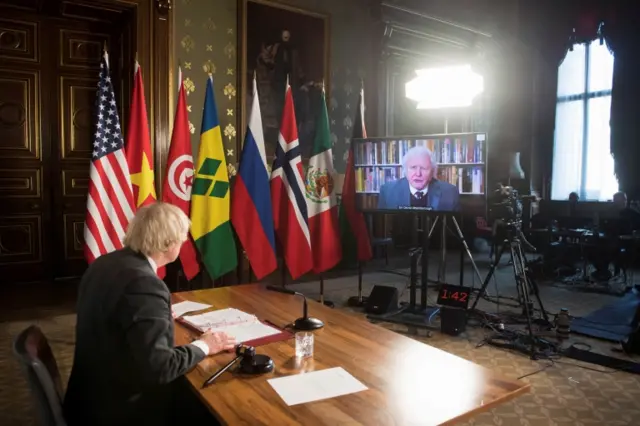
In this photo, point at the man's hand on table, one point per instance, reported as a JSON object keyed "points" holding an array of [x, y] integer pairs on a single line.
{"points": [[216, 341]]}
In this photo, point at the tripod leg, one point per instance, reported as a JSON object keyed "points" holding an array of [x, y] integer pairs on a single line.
{"points": [[442, 273], [433, 226], [532, 287], [487, 280], [424, 276], [466, 248], [519, 270]]}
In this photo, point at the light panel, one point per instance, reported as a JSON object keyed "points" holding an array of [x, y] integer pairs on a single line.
{"points": [[447, 87]]}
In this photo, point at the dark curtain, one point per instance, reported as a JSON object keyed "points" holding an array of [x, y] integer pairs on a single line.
{"points": [[622, 33], [546, 32]]}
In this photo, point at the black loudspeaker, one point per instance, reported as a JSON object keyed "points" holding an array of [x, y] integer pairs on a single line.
{"points": [[453, 321], [382, 300]]}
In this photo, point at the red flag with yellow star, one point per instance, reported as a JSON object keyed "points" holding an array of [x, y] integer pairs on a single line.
{"points": [[138, 145], [138, 148]]}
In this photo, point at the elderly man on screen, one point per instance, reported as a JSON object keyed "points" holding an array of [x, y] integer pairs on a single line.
{"points": [[419, 187], [126, 369]]}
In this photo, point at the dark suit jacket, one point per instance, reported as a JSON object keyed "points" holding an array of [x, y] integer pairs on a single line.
{"points": [[441, 196], [125, 357]]}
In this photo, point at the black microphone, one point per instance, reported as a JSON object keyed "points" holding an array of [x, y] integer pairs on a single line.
{"points": [[305, 322]]}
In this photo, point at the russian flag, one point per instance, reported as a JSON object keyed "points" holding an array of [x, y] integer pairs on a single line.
{"points": [[251, 213]]}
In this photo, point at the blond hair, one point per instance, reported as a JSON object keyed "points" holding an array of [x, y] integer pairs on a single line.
{"points": [[155, 228]]}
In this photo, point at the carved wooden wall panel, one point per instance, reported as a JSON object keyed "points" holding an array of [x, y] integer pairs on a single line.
{"points": [[74, 236], [20, 183], [18, 40], [77, 102], [80, 49], [19, 113], [50, 52], [75, 183], [20, 239]]}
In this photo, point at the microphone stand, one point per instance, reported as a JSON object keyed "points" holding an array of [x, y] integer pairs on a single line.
{"points": [[305, 323]]}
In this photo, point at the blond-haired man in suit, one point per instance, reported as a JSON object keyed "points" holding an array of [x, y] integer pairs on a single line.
{"points": [[125, 360]]}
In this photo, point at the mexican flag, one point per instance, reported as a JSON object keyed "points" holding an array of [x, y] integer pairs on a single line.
{"points": [[321, 198], [356, 246]]}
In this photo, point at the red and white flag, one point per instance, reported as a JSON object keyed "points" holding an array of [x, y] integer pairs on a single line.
{"points": [[288, 195], [176, 188], [110, 204]]}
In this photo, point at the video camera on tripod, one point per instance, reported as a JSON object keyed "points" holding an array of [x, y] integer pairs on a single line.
{"points": [[507, 205], [506, 213]]}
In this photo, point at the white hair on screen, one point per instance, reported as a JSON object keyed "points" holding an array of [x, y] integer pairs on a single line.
{"points": [[419, 151]]}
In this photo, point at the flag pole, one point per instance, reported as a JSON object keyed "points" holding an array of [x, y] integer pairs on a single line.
{"points": [[359, 300], [284, 274], [324, 302]]}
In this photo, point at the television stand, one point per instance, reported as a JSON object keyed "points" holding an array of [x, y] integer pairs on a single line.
{"points": [[413, 314]]}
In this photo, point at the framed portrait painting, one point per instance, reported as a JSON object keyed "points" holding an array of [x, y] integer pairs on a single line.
{"points": [[281, 43]]}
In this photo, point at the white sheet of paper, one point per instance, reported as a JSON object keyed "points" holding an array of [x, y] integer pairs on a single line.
{"points": [[220, 318], [249, 331], [182, 308], [315, 386]]}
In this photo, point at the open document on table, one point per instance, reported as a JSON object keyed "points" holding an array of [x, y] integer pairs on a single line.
{"points": [[315, 386], [242, 326], [181, 308]]}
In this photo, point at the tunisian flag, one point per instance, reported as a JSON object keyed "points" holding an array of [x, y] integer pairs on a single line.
{"points": [[176, 188]]}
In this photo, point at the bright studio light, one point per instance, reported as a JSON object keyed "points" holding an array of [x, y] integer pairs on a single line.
{"points": [[447, 87]]}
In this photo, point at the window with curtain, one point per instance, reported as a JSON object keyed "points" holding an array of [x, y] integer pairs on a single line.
{"points": [[582, 160]]}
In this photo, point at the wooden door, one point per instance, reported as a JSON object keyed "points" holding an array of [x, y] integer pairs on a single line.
{"points": [[48, 77]]}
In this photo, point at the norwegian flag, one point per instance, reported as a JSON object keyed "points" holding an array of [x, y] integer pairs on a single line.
{"points": [[110, 203], [288, 195]]}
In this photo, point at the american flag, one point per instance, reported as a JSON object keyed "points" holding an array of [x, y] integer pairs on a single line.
{"points": [[110, 203]]}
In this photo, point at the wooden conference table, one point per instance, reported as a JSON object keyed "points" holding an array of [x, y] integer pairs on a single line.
{"points": [[410, 383]]}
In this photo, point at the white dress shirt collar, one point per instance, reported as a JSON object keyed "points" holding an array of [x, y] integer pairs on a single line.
{"points": [[414, 191], [153, 264]]}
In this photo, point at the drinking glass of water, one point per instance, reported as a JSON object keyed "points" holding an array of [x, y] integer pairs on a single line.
{"points": [[304, 344]]}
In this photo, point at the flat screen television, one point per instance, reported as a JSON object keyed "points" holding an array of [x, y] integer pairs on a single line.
{"points": [[440, 173]]}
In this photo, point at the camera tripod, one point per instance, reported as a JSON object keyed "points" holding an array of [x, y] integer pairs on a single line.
{"points": [[525, 284], [443, 251]]}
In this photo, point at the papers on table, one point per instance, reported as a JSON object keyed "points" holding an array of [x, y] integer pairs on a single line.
{"points": [[182, 308], [241, 325], [315, 386]]}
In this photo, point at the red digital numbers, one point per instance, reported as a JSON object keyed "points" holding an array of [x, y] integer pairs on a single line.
{"points": [[458, 296]]}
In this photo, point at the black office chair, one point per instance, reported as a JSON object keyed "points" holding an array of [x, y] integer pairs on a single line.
{"points": [[33, 352]]}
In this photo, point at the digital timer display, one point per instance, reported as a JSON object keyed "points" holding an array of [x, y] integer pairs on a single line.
{"points": [[454, 296]]}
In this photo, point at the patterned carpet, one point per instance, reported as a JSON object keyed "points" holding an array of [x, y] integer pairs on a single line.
{"points": [[562, 393]]}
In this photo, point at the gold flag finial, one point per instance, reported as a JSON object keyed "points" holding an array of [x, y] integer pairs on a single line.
{"points": [[104, 46], [136, 56]]}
